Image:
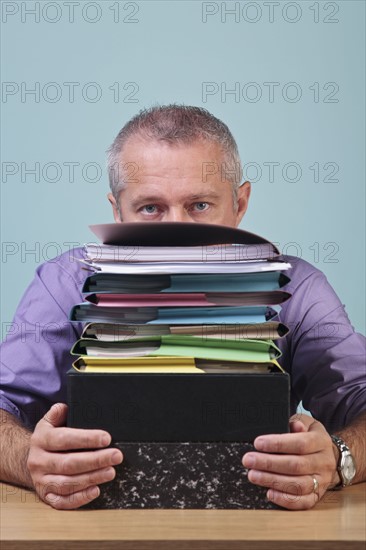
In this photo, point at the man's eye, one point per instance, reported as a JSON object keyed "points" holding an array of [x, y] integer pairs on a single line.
{"points": [[149, 209], [200, 206]]}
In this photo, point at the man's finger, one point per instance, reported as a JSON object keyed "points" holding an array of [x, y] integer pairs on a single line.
{"points": [[67, 485], [305, 419], [292, 465], [296, 426], [292, 443], [67, 439], [73, 501], [294, 485], [70, 464], [56, 416], [294, 502]]}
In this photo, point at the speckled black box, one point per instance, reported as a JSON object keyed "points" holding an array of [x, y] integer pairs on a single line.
{"points": [[182, 436], [182, 475]]}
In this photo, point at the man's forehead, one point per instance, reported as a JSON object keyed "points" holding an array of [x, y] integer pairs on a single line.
{"points": [[200, 165], [144, 152]]}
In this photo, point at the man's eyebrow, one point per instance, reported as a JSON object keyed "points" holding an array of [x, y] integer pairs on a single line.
{"points": [[148, 199], [152, 199], [201, 196]]}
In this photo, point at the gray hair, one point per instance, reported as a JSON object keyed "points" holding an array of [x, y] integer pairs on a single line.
{"points": [[176, 125]]}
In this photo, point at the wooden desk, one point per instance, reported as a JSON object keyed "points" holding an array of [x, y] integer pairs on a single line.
{"points": [[338, 522]]}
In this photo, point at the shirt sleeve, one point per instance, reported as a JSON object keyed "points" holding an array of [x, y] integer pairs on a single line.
{"points": [[35, 354], [322, 352]]}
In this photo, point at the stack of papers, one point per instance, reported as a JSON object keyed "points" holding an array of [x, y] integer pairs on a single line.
{"points": [[180, 298]]}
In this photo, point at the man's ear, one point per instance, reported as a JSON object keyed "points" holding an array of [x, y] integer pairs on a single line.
{"points": [[116, 214], [243, 200]]}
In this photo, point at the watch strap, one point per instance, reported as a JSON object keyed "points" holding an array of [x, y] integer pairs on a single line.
{"points": [[339, 443], [342, 448]]}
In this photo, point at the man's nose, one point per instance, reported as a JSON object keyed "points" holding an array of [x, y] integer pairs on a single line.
{"points": [[177, 214]]}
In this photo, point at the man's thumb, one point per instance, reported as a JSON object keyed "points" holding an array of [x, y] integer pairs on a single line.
{"points": [[296, 426], [57, 415]]}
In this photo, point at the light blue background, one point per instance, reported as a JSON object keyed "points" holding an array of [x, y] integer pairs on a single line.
{"points": [[169, 52]]}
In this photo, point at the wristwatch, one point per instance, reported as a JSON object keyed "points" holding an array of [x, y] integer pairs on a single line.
{"points": [[346, 464]]}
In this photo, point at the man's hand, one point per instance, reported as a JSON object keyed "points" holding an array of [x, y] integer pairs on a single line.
{"points": [[63, 479], [288, 464]]}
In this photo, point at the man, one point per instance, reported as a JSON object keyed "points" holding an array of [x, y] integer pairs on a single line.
{"points": [[178, 163]]}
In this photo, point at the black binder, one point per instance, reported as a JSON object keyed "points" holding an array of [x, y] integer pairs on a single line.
{"points": [[182, 435]]}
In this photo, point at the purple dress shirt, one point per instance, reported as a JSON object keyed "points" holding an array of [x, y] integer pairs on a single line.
{"points": [[323, 354]]}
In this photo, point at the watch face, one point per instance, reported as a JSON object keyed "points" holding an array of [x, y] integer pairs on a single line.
{"points": [[348, 468]]}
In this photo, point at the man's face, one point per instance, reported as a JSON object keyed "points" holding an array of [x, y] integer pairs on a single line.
{"points": [[179, 183]]}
